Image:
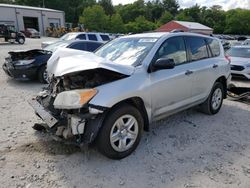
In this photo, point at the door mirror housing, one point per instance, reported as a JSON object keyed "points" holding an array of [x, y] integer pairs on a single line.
{"points": [[163, 63]]}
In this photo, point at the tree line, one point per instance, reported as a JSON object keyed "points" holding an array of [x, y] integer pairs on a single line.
{"points": [[142, 16]]}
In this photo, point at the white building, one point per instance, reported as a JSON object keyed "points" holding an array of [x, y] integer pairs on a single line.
{"points": [[31, 17]]}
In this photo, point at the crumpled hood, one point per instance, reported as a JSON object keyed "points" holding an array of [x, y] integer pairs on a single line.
{"points": [[240, 61], [65, 61]]}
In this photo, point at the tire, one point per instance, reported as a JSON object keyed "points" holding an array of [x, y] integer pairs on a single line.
{"points": [[41, 75], [122, 113], [214, 101], [20, 40]]}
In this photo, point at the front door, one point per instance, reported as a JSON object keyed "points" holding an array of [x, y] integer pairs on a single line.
{"points": [[171, 88]]}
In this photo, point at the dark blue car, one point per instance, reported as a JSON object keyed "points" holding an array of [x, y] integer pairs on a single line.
{"points": [[31, 64]]}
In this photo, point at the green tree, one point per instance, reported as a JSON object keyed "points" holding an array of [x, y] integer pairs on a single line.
{"points": [[238, 21], [171, 6], [215, 18], [107, 6], [166, 17], [6, 1], [154, 10], [182, 16], [94, 19], [130, 12], [140, 25], [190, 14], [116, 24]]}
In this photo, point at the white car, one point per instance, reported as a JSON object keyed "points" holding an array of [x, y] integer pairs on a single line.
{"points": [[99, 37], [246, 42], [240, 61]]}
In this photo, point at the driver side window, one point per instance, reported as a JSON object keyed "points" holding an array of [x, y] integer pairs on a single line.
{"points": [[173, 48]]}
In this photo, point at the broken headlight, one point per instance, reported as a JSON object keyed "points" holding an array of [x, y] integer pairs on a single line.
{"points": [[74, 99]]}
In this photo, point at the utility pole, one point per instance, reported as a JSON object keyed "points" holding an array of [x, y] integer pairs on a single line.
{"points": [[43, 4]]}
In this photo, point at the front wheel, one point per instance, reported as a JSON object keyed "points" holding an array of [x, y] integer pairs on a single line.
{"points": [[43, 75], [121, 132], [214, 101]]}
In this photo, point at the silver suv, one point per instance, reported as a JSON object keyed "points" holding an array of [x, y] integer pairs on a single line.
{"points": [[112, 95]]}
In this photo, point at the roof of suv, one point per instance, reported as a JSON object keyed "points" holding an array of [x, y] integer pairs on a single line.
{"points": [[161, 34]]}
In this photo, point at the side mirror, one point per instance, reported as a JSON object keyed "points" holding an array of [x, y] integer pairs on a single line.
{"points": [[163, 63]]}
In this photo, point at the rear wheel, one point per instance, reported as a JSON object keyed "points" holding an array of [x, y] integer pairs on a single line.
{"points": [[20, 40], [121, 132], [43, 75], [214, 101]]}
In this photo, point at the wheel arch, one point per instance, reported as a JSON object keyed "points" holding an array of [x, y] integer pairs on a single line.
{"points": [[138, 103], [223, 80]]}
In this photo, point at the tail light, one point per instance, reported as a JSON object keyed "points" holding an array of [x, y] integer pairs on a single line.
{"points": [[228, 58]]}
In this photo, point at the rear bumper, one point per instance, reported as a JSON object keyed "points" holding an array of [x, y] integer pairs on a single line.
{"points": [[26, 72]]}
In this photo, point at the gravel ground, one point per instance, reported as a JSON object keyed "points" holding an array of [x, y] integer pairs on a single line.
{"points": [[189, 149]]}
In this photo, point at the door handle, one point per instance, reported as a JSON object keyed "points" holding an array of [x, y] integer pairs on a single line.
{"points": [[215, 66], [188, 72]]}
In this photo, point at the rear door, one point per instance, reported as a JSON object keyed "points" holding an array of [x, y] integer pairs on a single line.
{"points": [[78, 46], [202, 67], [171, 88]]}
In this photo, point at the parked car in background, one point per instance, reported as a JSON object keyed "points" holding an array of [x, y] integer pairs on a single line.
{"points": [[240, 61], [31, 33], [246, 42], [9, 33], [242, 38], [109, 97], [31, 64], [99, 37]]}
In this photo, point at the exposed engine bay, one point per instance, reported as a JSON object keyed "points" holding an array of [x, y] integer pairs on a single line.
{"points": [[72, 123], [85, 79], [27, 55]]}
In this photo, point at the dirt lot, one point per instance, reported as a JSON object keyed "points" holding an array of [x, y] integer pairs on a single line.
{"points": [[189, 149]]}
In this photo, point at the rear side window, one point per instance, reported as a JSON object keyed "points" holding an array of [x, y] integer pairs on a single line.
{"points": [[198, 48], [173, 48], [81, 37], [92, 37], [92, 46], [78, 46], [214, 47], [105, 37]]}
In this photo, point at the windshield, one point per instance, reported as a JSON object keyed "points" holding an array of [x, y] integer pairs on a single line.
{"points": [[127, 51], [239, 52], [53, 47], [69, 36]]}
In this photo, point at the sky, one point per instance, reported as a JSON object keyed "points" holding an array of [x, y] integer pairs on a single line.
{"points": [[226, 4]]}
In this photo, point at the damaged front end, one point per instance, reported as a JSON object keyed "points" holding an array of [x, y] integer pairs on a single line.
{"points": [[64, 104]]}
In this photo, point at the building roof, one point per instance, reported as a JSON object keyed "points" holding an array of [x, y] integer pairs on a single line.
{"points": [[193, 25], [28, 7]]}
